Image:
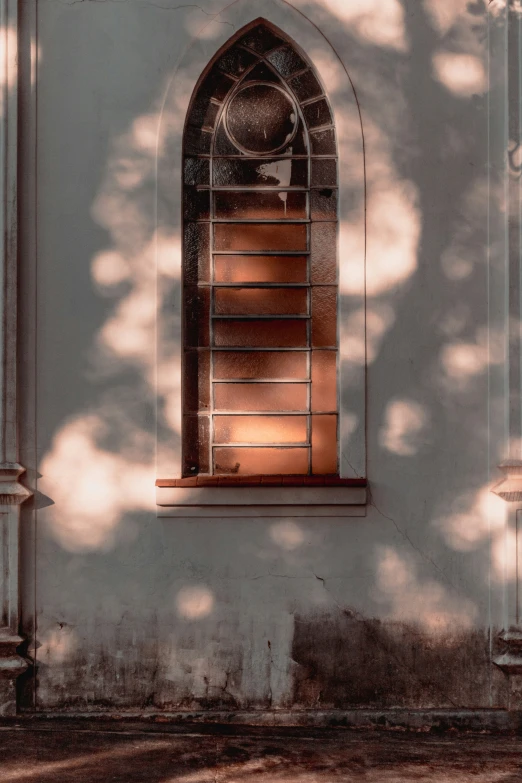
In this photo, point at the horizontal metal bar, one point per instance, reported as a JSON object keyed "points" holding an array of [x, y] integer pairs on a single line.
{"points": [[238, 349], [254, 188], [310, 156], [259, 380], [273, 317], [262, 413], [266, 285], [289, 188], [261, 252], [260, 445], [256, 221], [284, 221], [259, 285]]}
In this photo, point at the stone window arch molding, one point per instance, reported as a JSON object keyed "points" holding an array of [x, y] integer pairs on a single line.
{"points": [[293, 26]]}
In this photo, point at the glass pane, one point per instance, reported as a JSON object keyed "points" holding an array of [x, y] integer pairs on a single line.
{"points": [[203, 113], [262, 73], [261, 118], [261, 39], [264, 462], [260, 236], [196, 254], [324, 252], [324, 316], [196, 316], [324, 444], [261, 301], [306, 86], [260, 429], [196, 391], [264, 204], [196, 442], [216, 84], [261, 396], [222, 143], [287, 61], [281, 172], [317, 113], [196, 204], [197, 142], [197, 171], [236, 61], [324, 380], [260, 269], [261, 364], [260, 334], [324, 172], [323, 142], [323, 204]]}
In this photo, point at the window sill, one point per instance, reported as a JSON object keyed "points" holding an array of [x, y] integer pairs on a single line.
{"points": [[261, 496]]}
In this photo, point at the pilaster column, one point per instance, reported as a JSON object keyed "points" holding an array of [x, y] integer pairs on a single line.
{"points": [[12, 492], [510, 487]]}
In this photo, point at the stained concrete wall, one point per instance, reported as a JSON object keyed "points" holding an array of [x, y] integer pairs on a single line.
{"points": [[399, 608]]}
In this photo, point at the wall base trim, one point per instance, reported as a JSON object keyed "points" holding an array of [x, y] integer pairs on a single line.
{"points": [[423, 720]]}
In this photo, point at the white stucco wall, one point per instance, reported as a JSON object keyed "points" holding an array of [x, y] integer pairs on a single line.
{"points": [[396, 608]]}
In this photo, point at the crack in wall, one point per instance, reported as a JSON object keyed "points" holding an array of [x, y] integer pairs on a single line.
{"points": [[213, 17], [406, 537]]}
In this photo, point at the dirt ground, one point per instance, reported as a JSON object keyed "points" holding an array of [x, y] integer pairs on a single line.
{"points": [[75, 754]]}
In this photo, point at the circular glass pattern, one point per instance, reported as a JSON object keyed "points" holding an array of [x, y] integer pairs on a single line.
{"points": [[261, 119]]}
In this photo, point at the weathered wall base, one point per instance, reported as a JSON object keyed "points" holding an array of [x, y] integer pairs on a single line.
{"points": [[495, 721]]}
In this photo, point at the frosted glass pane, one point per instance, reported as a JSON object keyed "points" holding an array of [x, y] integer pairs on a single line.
{"points": [[216, 84], [196, 443], [265, 205], [324, 172], [324, 444], [305, 86], [324, 252], [260, 236], [235, 61], [197, 253], [203, 113], [260, 269], [323, 204], [287, 61], [196, 391], [323, 142], [284, 172], [197, 142], [260, 429], [261, 39], [261, 364], [324, 316], [197, 171], [264, 461], [324, 380], [261, 396], [261, 301], [260, 334], [317, 113]]}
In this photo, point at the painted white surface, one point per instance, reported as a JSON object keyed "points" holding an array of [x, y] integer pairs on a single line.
{"points": [[142, 611]]}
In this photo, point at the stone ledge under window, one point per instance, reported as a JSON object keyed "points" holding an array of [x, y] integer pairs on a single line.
{"points": [[261, 496], [510, 488]]}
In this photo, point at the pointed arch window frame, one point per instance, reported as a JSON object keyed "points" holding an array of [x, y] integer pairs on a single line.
{"points": [[331, 71]]}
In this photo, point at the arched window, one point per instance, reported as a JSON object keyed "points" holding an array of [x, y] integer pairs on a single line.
{"points": [[260, 280]]}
